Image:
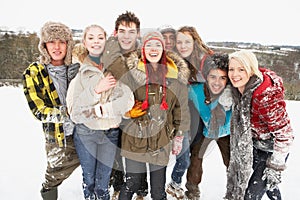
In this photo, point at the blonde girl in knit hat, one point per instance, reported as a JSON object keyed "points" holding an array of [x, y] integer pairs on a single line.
{"points": [[45, 87]]}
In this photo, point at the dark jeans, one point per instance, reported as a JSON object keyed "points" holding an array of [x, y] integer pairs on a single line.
{"points": [[182, 160], [133, 180], [256, 186], [117, 175], [196, 127], [96, 151]]}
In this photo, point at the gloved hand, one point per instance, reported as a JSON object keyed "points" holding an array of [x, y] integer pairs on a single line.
{"points": [[272, 176], [68, 127], [226, 99], [63, 113], [136, 110], [177, 145], [57, 114]]}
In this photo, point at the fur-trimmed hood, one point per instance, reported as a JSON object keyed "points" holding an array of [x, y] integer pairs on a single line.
{"points": [[177, 67]]}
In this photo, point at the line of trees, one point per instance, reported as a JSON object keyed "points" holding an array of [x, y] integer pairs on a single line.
{"points": [[18, 50]]}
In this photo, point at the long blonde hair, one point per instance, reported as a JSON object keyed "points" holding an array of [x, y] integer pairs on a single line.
{"points": [[248, 60], [79, 53]]}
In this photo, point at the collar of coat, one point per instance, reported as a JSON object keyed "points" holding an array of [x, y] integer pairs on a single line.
{"points": [[172, 68], [177, 67]]}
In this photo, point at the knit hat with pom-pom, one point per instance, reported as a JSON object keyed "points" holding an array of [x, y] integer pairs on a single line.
{"points": [[52, 31], [154, 35]]}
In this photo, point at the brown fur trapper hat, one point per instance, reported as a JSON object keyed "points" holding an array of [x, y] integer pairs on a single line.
{"points": [[51, 31]]}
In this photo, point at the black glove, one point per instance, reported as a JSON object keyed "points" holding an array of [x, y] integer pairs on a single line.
{"points": [[272, 176]]}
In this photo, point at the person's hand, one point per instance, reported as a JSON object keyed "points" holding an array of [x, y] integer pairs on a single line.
{"points": [[272, 176], [136, 110], [177, 145], [105, 84], [59, 114]]}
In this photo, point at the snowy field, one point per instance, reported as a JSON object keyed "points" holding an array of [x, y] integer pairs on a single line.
{"points": [[23, 157]]}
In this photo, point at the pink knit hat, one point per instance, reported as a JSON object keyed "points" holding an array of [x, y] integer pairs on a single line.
{"points": [[154, 35]]}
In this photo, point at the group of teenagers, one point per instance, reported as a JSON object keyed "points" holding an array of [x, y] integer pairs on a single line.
{"points": [[120, 105]]}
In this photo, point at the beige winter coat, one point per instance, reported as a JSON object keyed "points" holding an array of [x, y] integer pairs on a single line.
{"points": [[84, 103]]}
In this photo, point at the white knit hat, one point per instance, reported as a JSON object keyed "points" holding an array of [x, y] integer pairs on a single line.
{"points": [[51, 31], [166, 28]]}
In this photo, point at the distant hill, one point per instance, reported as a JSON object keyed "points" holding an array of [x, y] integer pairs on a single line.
{"points": [[284, 60], [18, 50]]}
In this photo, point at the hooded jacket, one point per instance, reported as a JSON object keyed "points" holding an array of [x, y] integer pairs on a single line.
{"points": [[196, 94], [259, 119], [270, 123], [148, 138]]}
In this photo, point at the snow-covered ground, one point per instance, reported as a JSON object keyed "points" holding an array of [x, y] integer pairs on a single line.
{"points": [[23, 157]]}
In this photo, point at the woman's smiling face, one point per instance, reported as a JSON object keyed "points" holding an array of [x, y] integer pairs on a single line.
{"points": [[184, 44], [153, 50], [238, 75]]}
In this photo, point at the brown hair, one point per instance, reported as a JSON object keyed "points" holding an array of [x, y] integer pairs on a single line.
{"points": [[198, 41], [127, 18], [200, 49]]}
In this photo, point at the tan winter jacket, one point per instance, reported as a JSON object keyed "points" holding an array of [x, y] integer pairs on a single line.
{"points": [[84, 103]]}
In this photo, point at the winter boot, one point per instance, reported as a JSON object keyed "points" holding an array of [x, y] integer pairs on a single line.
{"points": [[49, 194], [139, 197], [115, 195], [175, 190], [193, 192], [92, 197]]}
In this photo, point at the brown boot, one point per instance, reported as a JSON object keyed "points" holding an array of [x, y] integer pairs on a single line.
{"points": [[49, 194], [193, 192], [139, 197], [175, 190], [115, 195]]}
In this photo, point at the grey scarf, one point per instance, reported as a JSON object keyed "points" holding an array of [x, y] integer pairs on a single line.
{"points": [[58, 75], [61, 76], [241, 145]]}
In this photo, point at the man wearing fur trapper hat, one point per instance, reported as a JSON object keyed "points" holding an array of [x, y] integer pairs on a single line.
{"points": [[45, 87]]}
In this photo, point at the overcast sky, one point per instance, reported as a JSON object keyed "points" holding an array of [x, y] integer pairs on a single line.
{"points": [[260, 21]]}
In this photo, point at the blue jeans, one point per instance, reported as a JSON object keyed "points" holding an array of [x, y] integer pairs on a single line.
{"points": [[96, 151], [182, 160]]}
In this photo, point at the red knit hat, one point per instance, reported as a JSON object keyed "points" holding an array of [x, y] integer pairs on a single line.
{"points": [[154, 35]]}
